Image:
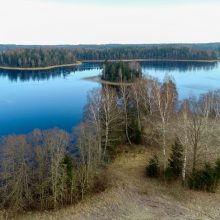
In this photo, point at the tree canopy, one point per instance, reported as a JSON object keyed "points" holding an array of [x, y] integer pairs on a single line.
{"points": [[121, 71], [36, 57]]}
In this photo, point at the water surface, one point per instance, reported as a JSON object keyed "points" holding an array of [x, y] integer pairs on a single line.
{"points": [[55, 98]]}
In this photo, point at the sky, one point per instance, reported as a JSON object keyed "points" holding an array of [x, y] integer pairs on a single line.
{"points": [[109, 21]]}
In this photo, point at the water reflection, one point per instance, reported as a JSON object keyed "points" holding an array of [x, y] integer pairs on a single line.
{"points": [[56, 98], [180, 66], [39, 75], [15, 75]]}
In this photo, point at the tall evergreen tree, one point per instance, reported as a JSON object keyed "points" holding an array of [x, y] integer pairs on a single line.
{"points": [[176, 158]]}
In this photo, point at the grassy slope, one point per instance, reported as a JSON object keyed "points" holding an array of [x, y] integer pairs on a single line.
{"points": [[132, 196]]}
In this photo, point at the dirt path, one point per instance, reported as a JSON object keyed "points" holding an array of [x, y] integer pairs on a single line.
{"points": [[135, 197]]}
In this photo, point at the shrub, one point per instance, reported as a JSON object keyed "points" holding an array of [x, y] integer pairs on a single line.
{"points": [[101, 181], [205, 179], [217, 169], [153, 169], [169, 173]]}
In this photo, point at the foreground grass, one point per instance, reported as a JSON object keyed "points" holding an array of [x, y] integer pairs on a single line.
{"points": [[133, 196]]}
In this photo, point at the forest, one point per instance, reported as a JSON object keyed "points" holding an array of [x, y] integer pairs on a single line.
{"points": [[36, 57], [50, 169], [49, 56], [156, 52], [198, 46]]}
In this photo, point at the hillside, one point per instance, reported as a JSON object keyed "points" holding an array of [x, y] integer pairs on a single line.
{"points": [[132, 196]]}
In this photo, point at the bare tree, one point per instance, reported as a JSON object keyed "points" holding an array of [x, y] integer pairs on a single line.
{"points": [[56, 142], [183, 131], [198, 122], [125, 94], [165, 97], [89, 160], [137, 99], [41, 179], [36, 171], [140, 95], [93, 111], [16, 173], [102, 116], [203, 126], [110, 117]]}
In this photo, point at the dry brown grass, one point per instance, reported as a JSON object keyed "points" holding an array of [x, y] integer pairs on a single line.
{"points": [[133, 196]]}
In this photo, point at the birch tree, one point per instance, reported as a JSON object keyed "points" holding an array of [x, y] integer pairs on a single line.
{"points": [[93, 111], [89, 160], [165, 97], [183, 131], [110, 118], [142, 105], [56, 142], [125, 94]]}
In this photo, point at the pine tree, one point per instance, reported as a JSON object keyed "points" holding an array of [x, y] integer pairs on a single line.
{"points": [[176, 158], [153, 169]]}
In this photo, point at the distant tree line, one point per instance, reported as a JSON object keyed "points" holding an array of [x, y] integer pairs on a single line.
{"points": [[198, 46], [36, 57], [41, 57], [179, 53]]}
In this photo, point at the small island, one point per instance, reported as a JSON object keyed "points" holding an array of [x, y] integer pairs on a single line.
{"points": [[118, 72]]}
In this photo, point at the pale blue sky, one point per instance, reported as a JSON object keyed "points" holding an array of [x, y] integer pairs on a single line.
{"points": [[109, 21]]}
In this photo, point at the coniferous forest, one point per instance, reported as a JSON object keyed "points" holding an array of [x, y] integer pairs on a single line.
{"points": [[42, 57], [121, 71], [36, 57]]}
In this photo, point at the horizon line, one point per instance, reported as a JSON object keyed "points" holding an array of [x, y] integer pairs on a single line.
{"points": [[85, 44]]}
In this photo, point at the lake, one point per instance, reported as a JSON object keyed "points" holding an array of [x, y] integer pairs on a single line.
{"points": [[55, 98]]}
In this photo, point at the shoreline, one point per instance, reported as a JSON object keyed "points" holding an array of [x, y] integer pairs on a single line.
{"points": [[148, 60], [40, 68], [97, 79], [100, 61]]}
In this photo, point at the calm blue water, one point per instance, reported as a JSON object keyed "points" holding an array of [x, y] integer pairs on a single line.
{"points": [[56, 98], [190, 78]]}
